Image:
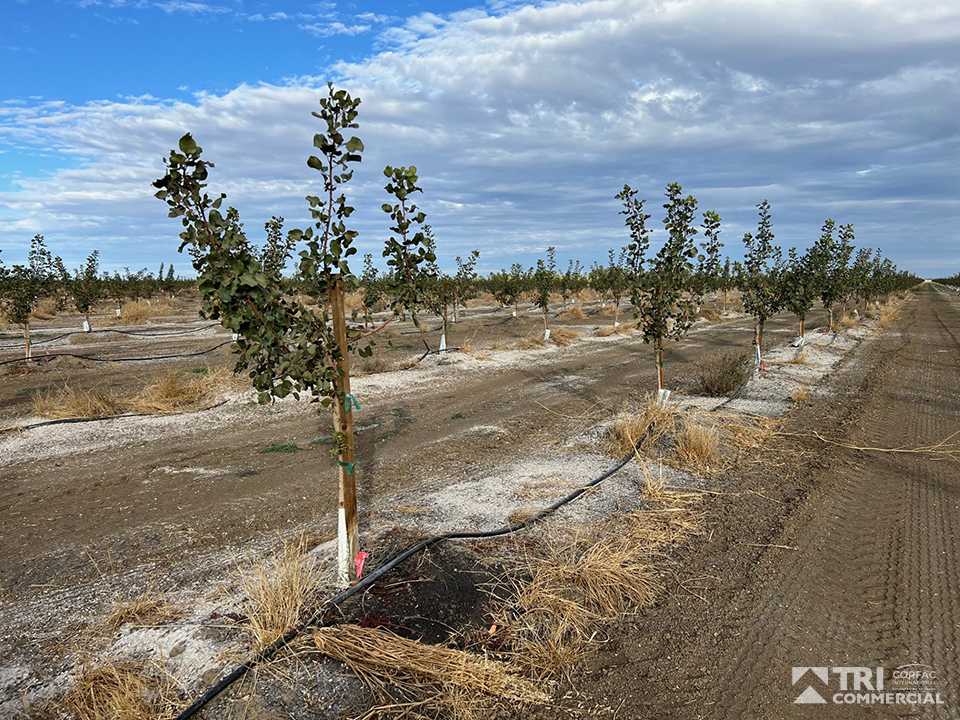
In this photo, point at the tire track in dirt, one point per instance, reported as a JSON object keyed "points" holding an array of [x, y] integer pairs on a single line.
{"points": [[868, 568], [876, 579]]}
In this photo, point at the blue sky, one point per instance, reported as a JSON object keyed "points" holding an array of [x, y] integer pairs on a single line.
{"points": [[524, 119]]}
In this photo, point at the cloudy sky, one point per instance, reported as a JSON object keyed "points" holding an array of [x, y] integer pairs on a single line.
{"points": [[523, 119]]}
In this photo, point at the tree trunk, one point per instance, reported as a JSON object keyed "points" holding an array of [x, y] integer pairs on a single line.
{"points": [[803, 321], [545, 326], [616, 314], [348, 540], [659, 364], [446, 340], [26, 338]]}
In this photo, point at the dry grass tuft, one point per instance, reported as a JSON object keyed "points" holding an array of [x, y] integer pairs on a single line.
{"points": [[887, 314], [68, 402], [45, 310], [378, 363], [644, 429], [417, 680], [484, 299], [278, 589], [799, 359], [575, 312], [722, 373], [697, 445], [520, 515], [710, 315], [563, 336], [139, 312], [621, 329], [354, 300], [167, 394], [148, 609], [551, 605], [748, 433], [671, 518], [530, 343], [799, 395], [121, 690], [849, 321], [469, 349]]}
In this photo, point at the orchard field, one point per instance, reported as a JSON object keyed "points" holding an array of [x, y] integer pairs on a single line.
{"points": [[655, 487], [166, 514]]}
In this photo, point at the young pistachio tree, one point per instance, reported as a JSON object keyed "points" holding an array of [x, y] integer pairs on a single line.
{"points": [[860, 279], [572, 281], [831, 258], [610, 280], [544, 280], [25, 284], [762, 283], [508, 286], [464, 282], [88, 288], [663, 290], [289, 346], [800, 284]]}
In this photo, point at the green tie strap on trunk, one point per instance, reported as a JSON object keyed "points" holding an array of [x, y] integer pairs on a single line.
{"points": [[349, 466]]}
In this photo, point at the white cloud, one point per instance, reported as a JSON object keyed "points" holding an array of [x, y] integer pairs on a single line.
{"points": [[525, 121], [192, 8], [334, 28]]}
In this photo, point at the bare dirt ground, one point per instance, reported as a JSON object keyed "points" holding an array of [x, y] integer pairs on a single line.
{"points": [[860, 564], [95, 512]]}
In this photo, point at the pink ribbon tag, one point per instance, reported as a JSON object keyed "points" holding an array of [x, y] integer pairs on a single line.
{"points": [[358, 562]]}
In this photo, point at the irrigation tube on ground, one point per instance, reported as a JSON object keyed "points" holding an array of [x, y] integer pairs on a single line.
{"points": [[370, 579], [18, 346], [102, 418], [51, 356]]}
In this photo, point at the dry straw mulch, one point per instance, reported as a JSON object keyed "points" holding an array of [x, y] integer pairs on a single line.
{"points": [[426, 681], [168, 393]]}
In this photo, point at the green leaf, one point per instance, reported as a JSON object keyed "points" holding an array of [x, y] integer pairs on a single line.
{"points": [[354, 145], [187, 144]]}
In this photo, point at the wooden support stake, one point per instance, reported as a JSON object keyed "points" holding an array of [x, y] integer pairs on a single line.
{"points": [[659, 364], [348, 541], [26, 338]]}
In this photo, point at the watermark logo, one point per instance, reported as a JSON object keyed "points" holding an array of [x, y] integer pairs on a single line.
{"points": [[913, 684], [811, 696]]}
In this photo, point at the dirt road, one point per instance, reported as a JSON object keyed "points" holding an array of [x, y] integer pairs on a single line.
{"points": [[853, 562]]}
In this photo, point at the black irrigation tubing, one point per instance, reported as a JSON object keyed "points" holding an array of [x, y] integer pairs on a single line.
{"points": [[41, 358], [420, 332], [18, 345], [101, 418], [366, 582], [109, 330]]}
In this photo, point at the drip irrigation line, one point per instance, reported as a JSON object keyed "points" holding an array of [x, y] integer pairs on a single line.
{"points": [[109, 330], [370, 579], [19, 345], [101, 418], [41, 358]]}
